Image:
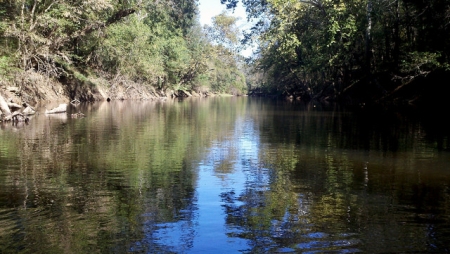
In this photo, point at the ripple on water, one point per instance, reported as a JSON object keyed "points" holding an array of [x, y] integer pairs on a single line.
{"points": [[315, 245]]}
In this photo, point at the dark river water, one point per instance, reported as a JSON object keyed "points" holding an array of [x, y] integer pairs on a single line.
{"points": [[225, 175]]}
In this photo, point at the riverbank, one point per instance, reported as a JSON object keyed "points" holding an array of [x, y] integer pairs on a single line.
{"points": [[42, 92], [37, 90]]}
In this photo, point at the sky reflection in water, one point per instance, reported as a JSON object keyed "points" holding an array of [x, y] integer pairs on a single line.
{"points": [[224, 175]]}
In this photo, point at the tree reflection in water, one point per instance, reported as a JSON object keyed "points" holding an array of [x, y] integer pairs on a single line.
{"points": [[224, 175]]}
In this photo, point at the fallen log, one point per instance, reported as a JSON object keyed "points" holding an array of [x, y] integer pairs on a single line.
{"points": [[14, 106], [4, 106], [19, 117], [62, 108]]}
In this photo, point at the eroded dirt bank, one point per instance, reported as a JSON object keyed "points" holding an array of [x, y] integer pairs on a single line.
{"points": [[41, 92]]}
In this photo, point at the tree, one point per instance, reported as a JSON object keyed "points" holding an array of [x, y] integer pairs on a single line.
{"points": [[360, 50], [46, 32], [224, 36], [224, 31]]}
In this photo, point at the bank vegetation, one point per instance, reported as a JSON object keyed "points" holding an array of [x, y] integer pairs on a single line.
{"points": [[98, 49], [353, 51]]}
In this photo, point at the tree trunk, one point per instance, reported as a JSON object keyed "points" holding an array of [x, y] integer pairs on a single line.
{"points": [[396, 37], [4, 106], [368, 53]]}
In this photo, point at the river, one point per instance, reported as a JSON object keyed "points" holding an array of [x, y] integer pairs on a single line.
{"points": [[225, 175]]}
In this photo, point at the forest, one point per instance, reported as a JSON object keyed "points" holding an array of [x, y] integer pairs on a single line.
{"points": [[356, 51], [353, 51]]}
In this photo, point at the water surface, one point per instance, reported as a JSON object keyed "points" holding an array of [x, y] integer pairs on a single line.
{"points": [[224, 175]]}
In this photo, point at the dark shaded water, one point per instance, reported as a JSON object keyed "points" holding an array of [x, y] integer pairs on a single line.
{"points": [[225, 175]]}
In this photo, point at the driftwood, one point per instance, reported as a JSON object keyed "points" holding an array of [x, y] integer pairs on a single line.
{"points": [[62, 108], [11, 112], [4, 106], [14, 106], [77, 115], [19, 117], [29, 111]]}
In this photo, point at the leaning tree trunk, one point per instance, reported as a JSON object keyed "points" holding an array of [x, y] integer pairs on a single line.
{"points": [[4, 106]]}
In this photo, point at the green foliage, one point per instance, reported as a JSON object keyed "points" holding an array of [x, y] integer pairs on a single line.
{"points": [[3, 25], [224, 30], [318, 48], [153, 48], [127, 50], [304, 42], [154, 43], [7, 68], [227, 80], [421, 63], [177, 59], [48, 31], [225, 75], [4, 65]]}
